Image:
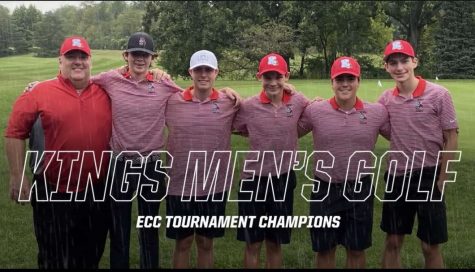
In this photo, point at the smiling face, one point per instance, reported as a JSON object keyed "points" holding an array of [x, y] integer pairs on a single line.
{"points": [[273, 83], [203, 77], [138, 63], [345, 87], [75, 66], [401, 67]]}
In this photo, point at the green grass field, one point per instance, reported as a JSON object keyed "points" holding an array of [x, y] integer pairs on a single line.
{"points": [[17, 241]]}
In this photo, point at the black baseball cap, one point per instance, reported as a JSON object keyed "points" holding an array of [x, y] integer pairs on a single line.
{"points": [[140, 41]]}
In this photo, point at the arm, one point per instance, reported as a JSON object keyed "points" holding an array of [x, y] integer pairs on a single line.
{"points": [[233, 95], [15, 149], [450, 144]]}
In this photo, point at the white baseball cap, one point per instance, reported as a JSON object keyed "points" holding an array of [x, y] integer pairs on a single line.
{"points": [[203, 58]]}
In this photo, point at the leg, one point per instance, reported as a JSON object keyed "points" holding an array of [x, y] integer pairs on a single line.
{"points": [[392, 251], [148, 237], [325, 259], [355, 259], [204, 246], [273, 254], [432, 255], [181, 254], [251, 255]]}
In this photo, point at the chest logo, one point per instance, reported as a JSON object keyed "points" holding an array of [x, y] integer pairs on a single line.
{"points": [[215, 107], [289, 110], [363, 118], [419, 107]]}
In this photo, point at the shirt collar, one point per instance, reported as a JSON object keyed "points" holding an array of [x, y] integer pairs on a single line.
{"points": [[419, 91], [265, 99], [358, 104], [148, 77], [188, 96]]}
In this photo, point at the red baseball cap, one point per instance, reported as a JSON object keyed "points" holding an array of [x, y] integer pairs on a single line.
{"points": [[398, 46], [272, 62], [75, 43], [345, 65]]}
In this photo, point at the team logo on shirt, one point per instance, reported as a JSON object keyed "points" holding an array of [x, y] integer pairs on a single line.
{"points": [[289, 110], [215, 107], [151, 88], [363, 118], [419, 106]]}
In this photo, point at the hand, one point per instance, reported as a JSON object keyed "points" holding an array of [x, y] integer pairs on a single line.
{"points": [[19, 190], [160, 75], [318, 99], [30, 86], [232, 94], [289, 88], [123, 69]]}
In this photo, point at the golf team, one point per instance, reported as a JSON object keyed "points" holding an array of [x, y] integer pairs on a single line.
{"points": [[126, 111]]}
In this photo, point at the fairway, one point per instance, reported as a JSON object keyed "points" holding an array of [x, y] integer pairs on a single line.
{"points": [[18, 246]]}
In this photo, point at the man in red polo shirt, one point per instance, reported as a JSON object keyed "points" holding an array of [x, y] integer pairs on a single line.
{"points": [[342, 126], [269, 119], [422, 119], [198, 119], [76, 117]]}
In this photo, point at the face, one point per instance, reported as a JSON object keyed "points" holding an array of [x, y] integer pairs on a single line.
{"points": [[345, 86], [75, 66], [401, 67], [138, 62], [273, 82], [203, 77]]}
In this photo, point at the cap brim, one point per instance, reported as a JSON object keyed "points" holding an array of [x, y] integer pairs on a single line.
{"points": [[386, 57], [76, 49], [141, 50], [260, 73], [347, 73], [203, 64]]}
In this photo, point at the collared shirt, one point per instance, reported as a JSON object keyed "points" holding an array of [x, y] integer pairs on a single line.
{"points": [[418, 122], [342, 133], [270, 128], [138, 111], [71, 122], [195, 125]]}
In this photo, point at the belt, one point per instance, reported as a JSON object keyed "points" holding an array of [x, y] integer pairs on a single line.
{"points": [[136, 159]]}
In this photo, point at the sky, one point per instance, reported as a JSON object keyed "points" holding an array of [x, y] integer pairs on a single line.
{"points": [[43, 6]]}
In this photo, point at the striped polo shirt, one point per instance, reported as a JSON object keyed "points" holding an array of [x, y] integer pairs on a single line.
{"points": [[270, 128], [417, 122], [342, 133], [138, 111], [195, 125]]}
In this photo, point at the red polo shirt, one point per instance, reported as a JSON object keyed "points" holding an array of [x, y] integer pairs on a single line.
{"points": [[71, 122]]}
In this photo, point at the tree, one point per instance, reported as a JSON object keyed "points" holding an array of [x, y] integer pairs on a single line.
{"points": [[455, 41], [23, 20], [48, 35], [5, 30], [410, 17]]}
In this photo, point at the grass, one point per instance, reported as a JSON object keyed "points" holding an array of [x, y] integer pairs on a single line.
{"points": [[18, 245]]}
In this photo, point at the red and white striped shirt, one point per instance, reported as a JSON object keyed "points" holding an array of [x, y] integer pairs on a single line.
{"points": [[138, 111], [270, 128], [342, 133], [195, 125], [417, 122]]}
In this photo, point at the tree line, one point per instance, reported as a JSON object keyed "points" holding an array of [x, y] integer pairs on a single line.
{"points": [[309, 34]]}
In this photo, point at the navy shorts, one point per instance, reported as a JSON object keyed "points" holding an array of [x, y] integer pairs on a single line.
{"points": [[356, 218], [398, 217], [269, 207], [177, 207]]}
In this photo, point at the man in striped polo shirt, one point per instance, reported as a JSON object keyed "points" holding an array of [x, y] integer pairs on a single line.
{"points": [[198, 119], [269, 119], [138, 122], [341, 126], [422, 119]]}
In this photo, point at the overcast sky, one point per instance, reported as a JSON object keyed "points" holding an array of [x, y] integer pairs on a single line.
{"points": [[41, 5]]}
